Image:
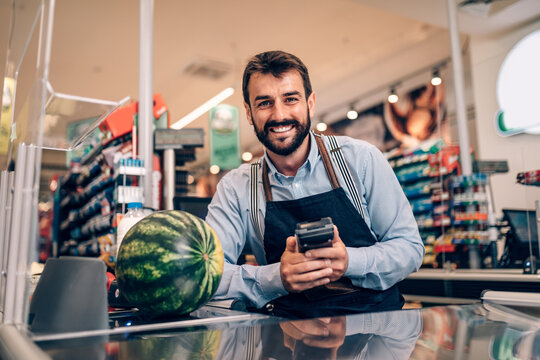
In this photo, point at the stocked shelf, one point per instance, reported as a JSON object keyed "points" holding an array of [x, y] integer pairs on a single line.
{"points": [[440, 197], [86, 206], [418, 172], [428, 222], [406, 161], [421, 205], [441, 201], [418, 189], [464, 181]]}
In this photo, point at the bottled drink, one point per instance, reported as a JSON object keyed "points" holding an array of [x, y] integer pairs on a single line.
{"points": [[133, 215]]}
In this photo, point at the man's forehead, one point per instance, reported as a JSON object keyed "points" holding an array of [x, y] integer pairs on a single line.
{"points": [[290, 79]]}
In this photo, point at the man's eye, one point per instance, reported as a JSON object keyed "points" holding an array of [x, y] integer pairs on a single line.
{"points": [[291, 99], [264, 103]]}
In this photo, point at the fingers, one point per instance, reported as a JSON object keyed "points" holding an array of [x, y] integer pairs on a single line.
{"points": [[299, 273], [337, 330], [337, 255], [295, 282], [301, 329], [303, 271], [296, 287], [325, 343], [308, 277], [310, 265], [334, 252], [323, 333]]}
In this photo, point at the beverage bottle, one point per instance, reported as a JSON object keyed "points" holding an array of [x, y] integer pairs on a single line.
{"points": [[133, 215]]}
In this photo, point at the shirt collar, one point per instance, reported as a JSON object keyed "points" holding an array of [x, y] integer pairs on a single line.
{"points": [[311, 159]]}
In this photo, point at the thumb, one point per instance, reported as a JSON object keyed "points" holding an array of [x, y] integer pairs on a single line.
{"points": [[336, 235], [291, 244]]}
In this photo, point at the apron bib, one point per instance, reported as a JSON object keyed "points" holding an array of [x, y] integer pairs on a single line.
{"points": [[336, 298]]}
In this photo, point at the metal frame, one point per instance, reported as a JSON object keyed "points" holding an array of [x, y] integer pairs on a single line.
{"points": [[145, 125], [21, 236], [5, 209], [11, 302], [169, 164], [457, 67], [51, 94]]}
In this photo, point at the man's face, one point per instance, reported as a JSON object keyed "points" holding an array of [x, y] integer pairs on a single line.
{"points": [[279, 112]]}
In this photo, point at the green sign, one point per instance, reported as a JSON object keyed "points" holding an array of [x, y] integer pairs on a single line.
{"points": [[224, 137]]}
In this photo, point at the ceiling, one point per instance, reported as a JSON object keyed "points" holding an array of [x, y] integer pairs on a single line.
{"points": [[351, 47]]}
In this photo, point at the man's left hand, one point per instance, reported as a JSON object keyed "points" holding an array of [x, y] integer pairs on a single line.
{"points": [[337, 254]]}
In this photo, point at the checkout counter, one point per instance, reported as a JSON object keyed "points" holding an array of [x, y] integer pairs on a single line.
{"points": [[476, 331]]}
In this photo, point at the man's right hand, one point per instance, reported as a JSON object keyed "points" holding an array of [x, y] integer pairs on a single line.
{"points": [[299, 273]]}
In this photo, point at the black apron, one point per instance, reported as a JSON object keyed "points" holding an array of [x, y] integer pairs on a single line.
{"points": [[337, 298]]}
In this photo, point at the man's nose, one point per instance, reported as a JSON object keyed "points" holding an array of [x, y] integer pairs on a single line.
{"points": [[280, 111]]}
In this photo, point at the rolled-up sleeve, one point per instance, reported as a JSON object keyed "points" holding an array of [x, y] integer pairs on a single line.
{"points": [[399, 249]]}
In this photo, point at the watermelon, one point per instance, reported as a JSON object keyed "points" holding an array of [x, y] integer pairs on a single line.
{"points": [[170, 262]]}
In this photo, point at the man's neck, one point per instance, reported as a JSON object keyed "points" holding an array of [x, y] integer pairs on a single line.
{"points": [[289, 164]]}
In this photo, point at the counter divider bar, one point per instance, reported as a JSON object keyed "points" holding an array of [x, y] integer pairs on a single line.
{"points": [[140, 328]]}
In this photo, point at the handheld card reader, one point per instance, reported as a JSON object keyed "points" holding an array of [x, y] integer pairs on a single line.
{"points": [[314, 234]]}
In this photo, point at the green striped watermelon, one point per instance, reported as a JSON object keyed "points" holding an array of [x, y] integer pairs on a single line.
{"points": [[170, 262]]}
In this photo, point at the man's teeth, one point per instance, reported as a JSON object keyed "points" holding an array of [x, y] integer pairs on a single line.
{"points": [[282, 128]]}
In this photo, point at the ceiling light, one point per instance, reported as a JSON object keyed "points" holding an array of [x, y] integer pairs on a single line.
{"points": [[214, 169], [436, 79], [352, 114], [321, 126], [393, 98], [247, 156], [203, 108]]}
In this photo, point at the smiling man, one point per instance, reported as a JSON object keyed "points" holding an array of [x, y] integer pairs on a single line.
{"points": [[304, 177]]}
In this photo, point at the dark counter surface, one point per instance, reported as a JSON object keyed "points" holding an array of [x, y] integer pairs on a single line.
{"points": [[477, 331]]}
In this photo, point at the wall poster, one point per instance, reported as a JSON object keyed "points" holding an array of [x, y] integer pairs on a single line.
{"points": [[418, 116]]}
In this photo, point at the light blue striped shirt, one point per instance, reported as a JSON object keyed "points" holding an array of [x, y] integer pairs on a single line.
{"points": [[397, 253]]}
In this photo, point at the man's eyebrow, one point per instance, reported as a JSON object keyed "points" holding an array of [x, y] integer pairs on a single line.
{"points": [[291, 93], [262, 97]]}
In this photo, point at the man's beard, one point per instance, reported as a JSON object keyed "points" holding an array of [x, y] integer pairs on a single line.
{"points": [[301, 132]]}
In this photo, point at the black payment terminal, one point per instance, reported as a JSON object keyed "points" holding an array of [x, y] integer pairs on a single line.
{"points": [[314, 234]]}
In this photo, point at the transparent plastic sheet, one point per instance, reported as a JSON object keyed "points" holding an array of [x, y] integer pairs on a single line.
{"points": [[27, 67], [34, 117], [63, 110], [20, 72]]}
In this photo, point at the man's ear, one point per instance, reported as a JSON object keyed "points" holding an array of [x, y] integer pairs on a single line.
{"points": [[248, 112], [311, 104]]}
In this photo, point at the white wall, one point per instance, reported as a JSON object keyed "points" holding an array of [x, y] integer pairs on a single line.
{"points": [[522, 151]]}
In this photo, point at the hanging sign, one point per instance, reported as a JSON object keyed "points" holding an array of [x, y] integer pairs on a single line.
{"points": [[224, 137]]}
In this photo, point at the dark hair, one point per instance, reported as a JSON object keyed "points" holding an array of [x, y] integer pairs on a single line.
{"points": [[275, 63]]}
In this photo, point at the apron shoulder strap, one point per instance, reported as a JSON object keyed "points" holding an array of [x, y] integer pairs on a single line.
{"points": [[326, 161], [343, 168], [254, 199]]}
